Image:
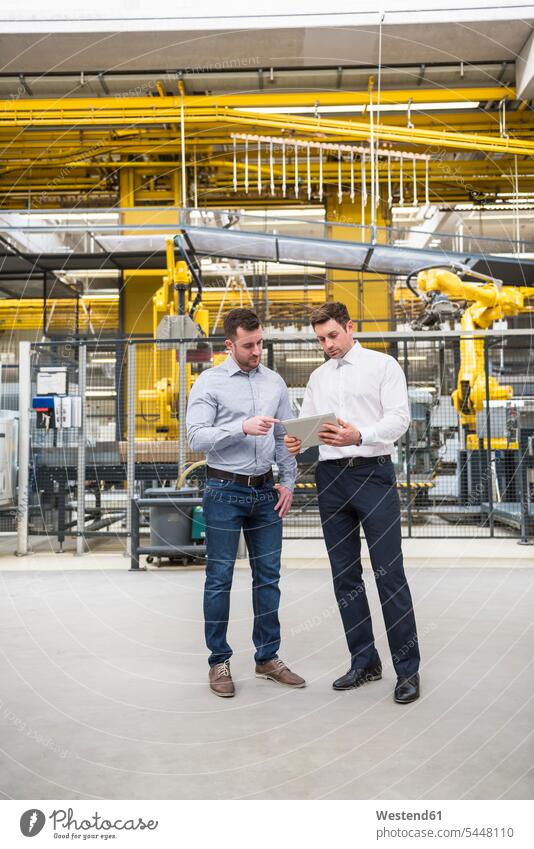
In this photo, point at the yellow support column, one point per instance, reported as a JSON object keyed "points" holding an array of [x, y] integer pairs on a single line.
{"points": [[367, 296]]}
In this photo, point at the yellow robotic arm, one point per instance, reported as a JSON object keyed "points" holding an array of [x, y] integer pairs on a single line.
{"points": [[172, 298], [488, 302]]}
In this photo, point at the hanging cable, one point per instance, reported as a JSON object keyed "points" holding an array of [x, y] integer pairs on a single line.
{"points": [[235, 165], [271, 166], [246, 166], [351, 175], [283, 168], [427, 187], [378, 103], [390, 191], [320, 172], [414, 182], [195, 178], [372, 160], [182, 144], [308, 171], [516, 211], [401, 178], [364, 182], [296, 171], [339, 183], [259, 167], [363, 195]]}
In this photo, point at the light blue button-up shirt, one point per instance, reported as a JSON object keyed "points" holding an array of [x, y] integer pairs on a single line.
{"points": [[221, 399]]}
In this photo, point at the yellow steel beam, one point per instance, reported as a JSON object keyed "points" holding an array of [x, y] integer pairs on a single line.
{"points": [[432, 140], [260, 99]]}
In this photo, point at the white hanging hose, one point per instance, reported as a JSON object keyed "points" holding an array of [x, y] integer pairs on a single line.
{"points": [[401, 187], [390, 191], [182, 144], [246, 166], [352, 176], [339, 183], [320, 172], [308, 171], [283, 168], [372, 158], [516, 211], [195, 180], [363, 195], [378, 100], [271, 166], [414, 182], [427, 187], [296, 171], [235, 165], [259, 167]]}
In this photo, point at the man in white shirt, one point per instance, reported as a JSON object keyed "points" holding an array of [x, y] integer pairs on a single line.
{"points": [[356, 485]]}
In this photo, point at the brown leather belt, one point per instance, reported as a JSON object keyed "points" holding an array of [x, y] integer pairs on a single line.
{"points": [[244, 480]]}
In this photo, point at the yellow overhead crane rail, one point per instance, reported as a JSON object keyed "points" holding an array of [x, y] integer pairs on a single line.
{"points": [[229, 110]]}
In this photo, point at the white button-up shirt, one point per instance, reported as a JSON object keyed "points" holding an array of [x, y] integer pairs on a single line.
{"points": [[367, 389]]}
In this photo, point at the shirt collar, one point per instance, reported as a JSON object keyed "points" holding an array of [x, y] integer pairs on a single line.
{"points": [[233, 368], [351, 356]]}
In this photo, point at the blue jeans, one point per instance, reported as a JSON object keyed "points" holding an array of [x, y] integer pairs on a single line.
{"points": [[228, 508]]}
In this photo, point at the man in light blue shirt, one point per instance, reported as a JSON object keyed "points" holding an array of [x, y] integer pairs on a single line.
{"points": [[233, 416]]}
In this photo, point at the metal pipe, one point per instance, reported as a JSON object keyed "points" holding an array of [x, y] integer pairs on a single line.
{"points": [[130, 456], [182, 138], [182, 405], [82, 439], [489, 469], [24, 447]]}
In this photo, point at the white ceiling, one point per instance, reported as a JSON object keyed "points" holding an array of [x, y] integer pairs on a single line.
{"points": [[468, 41]]}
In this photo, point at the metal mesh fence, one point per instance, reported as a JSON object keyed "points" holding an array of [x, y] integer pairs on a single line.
{"points": [[123, 436]]}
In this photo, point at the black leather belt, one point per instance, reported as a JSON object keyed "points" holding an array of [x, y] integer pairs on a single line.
{"points": [[350, 462], [244, 480]]}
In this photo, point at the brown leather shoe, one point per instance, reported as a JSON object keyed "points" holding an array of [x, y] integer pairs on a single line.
{"points": [[221, 680], [276, 670]]}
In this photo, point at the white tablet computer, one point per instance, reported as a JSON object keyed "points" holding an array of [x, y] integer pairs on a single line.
{"points": [[308, 428]]}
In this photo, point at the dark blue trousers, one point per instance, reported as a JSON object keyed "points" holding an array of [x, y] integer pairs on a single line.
{"points": [[366, 495]]}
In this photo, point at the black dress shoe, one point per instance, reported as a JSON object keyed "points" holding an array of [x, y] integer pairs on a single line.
{"points": [[360, 675], [407, 689]]}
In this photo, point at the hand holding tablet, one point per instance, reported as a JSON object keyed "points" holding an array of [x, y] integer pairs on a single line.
{"points": [[306, 430]]}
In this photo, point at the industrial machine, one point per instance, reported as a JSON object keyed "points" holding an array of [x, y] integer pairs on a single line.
{"points": [[176, 315], [443, 292], [489, 422], [8, 458]]}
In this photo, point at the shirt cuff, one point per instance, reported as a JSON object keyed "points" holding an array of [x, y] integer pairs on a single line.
{"points": [[368, 435], [235, 428], [287, 482]]}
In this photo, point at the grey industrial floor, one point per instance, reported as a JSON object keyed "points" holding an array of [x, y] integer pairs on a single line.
{"points": [[103, 691]]}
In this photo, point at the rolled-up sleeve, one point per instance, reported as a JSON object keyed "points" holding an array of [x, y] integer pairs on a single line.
{"points": [[201, 414], [287, 464], [395, 406]]}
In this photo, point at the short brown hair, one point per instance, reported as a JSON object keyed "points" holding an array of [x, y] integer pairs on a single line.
{"points": [[241, 317], [332, 310]]}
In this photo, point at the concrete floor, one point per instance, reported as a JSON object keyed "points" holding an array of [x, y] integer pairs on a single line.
{"points": [[104, 695]]}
